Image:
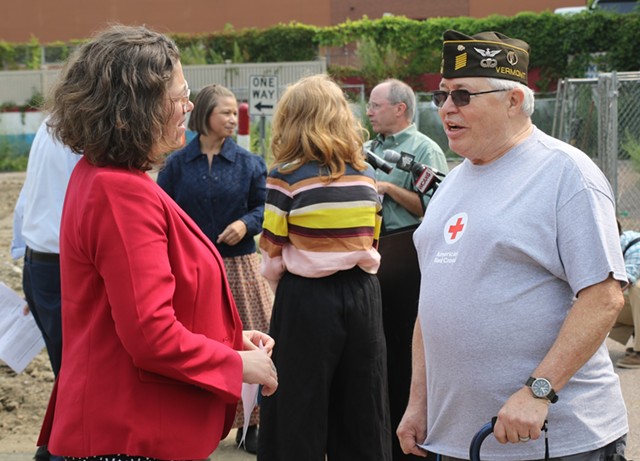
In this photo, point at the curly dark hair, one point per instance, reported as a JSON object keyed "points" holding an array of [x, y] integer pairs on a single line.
{"points": [[110, 102]]}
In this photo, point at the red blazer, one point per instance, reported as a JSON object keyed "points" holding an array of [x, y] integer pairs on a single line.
{"points": [[149, 326]]}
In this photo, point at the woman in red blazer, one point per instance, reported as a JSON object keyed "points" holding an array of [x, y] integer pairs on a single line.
{"points": [[151, 337]]}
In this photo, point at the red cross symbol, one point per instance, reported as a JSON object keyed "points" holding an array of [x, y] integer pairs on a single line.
{"points": [[455, 227], [453, 230]]}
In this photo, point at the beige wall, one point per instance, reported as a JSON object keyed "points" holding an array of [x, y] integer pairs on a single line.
{"points": [[52, 20]]}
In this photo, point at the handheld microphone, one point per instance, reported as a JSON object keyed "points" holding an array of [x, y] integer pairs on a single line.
{"points": [[405, 161], [391, 156], [424, 180], [377, 162]]}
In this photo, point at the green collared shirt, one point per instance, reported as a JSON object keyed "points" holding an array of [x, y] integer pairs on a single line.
{"points": [[426, 151]]}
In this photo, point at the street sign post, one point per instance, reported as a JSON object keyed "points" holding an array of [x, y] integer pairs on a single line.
{"points": [[263, 94]]}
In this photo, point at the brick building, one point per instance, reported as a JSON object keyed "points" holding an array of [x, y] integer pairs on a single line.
{"points": [[53, 20]]}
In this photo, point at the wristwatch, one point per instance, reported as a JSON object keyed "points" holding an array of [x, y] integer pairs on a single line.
{"points": [[541, 389]]}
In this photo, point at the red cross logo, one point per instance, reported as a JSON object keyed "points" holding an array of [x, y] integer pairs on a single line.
{"points": [[453, 230], [455, 227]]}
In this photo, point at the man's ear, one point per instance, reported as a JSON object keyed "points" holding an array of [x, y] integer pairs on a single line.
{"points": [[516, 98], [401, 109]]}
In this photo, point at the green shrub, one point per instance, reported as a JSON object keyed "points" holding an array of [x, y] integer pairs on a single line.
{"points": [[257, 145], [561, 45], [630, 147], [12, 157]]}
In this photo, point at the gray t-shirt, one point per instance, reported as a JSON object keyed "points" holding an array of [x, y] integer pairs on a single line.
{"points": [[504, 248]]}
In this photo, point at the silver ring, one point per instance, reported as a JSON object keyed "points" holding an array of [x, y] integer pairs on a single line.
{"points": [[524, 439]]}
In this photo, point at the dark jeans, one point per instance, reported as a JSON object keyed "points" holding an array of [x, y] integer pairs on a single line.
{"points": [[41, 286], [42, 454]]}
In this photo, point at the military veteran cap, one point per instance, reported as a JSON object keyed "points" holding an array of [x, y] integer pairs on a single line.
{"points": [[486, 54]]}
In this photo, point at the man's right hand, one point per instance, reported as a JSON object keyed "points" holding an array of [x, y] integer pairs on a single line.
{"points": [[412, 430]]}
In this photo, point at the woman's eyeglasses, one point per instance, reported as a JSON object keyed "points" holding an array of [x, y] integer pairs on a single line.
{"points": [[459, 97], [183, 100]]}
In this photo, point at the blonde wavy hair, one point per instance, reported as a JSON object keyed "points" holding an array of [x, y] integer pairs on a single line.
{"points": [[313, 122]]}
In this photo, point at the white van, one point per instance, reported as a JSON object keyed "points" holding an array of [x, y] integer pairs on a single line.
{"points": [[570, 9], [615, 6], [629, 6]]}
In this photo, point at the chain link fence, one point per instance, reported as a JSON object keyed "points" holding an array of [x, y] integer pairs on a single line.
{"points": [[601, 117]]}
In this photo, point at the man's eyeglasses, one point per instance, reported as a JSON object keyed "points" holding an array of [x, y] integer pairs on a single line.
{"points": [[375, 106], [459, 97], [183, 100]]}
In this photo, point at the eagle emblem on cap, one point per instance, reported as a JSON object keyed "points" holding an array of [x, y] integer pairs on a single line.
{"points": [[487, 53]]}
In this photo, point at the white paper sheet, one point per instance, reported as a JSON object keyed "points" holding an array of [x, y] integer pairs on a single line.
{"points": [[20, 338], [249, 402]]}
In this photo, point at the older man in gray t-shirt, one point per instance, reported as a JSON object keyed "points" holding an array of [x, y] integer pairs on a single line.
{"points": [[521, 279]]}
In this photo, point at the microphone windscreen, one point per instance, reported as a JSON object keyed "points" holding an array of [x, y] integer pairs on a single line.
{"points": [[391, 156]]}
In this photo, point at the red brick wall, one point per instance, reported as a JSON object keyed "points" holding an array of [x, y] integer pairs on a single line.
{"points": [[51, 20], [415, 9]]}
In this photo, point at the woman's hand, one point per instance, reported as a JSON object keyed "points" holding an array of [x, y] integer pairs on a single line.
{"points": [[254, 339], [233, 233], [257, 368]]}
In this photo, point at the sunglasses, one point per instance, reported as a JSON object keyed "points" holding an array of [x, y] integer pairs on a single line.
{"points": [[459, 97]]}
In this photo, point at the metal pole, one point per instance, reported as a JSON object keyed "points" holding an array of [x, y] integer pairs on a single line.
{"points": [[613, 129], [263, 135]]}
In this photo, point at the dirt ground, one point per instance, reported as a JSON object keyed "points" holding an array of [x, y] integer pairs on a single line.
{"points": [[23, 397]]}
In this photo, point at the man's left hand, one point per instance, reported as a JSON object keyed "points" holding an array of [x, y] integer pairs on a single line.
{"points": [[521, 418]]}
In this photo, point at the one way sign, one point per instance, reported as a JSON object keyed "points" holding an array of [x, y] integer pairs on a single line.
{"points": [[263, 94]]}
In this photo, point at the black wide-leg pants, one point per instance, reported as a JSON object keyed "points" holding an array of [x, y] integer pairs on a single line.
{"points": [[331, 359]]}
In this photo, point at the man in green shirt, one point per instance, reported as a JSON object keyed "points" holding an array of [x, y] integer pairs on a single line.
{"points": [[391, 110]]}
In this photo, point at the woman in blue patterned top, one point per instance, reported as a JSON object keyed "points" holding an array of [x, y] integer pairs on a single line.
{"points": [[222, 187]]}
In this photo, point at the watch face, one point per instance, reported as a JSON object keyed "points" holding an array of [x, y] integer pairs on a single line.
{"points": [[541, 387]]}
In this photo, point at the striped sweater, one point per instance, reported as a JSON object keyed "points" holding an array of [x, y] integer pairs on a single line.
{"points": [[314, 228]]}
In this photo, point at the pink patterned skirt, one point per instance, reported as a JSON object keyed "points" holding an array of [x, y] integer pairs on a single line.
{"points": [[254, 300]]}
